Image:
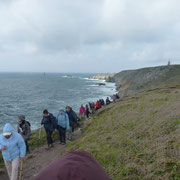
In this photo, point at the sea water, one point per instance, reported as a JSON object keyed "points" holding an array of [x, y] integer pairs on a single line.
{"points": [[30, 93]]}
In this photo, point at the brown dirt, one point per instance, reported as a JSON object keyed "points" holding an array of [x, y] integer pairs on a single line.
{"points": [[40, 158]]}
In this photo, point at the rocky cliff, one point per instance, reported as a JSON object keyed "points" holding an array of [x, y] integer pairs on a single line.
{"points": [[133, 81], [103, 76]]}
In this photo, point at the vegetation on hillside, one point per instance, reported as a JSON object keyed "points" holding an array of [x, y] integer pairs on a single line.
{"points": [[134, 81], [137, 137]]}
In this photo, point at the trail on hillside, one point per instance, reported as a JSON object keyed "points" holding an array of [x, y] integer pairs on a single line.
{"points": [[40, 158]]}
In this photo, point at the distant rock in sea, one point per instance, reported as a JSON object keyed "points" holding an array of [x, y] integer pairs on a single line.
{"points": [[102, 76]]}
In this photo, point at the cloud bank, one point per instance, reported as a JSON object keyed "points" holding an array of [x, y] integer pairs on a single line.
{"points": [[88, 35]]}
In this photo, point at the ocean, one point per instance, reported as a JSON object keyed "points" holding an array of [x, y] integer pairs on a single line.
{"points": [[30, 93]]}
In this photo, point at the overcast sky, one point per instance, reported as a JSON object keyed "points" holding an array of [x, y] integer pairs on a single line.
{"points": [[88, 35]]}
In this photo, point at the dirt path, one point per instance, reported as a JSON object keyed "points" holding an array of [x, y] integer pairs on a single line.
{"points": [[41, 158]]}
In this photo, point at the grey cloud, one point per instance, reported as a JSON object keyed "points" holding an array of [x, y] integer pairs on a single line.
{"points": [[88, 35]]}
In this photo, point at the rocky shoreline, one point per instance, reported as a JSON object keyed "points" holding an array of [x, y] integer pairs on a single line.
{"points": [[103, 76]]}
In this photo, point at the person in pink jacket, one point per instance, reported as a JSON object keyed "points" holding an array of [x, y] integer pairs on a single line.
{"points": [[82, 110]]}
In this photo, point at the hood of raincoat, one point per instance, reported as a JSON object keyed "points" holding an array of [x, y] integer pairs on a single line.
{"points": [[7, 128]]}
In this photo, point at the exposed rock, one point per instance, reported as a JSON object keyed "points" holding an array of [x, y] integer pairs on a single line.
{"points": [[134, 81], [102, 76], [101, 84]]}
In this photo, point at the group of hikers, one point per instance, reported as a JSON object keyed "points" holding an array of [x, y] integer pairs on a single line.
{"points": [[14, 145]]}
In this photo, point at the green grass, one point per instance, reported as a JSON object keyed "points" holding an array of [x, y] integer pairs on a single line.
{"points": [[137, 139]]}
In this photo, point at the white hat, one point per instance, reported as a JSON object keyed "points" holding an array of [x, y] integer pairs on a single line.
{"points": [[7, 134]]}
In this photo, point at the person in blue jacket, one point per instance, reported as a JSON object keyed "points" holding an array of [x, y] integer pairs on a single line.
{"points": [[13, 150], [63, 125]]}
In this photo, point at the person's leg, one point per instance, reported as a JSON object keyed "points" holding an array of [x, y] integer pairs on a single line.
{"points": [[60, 134], [65, 135], [27, 146], [15, 167], [50, 137], [8, 165], [70, 133]]}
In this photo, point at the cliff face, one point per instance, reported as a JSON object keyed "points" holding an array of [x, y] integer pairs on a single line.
{"points": [[134, 81], [103, 76]]}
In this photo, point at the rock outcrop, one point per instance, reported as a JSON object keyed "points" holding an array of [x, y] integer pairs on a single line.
{"points": [[134, 81], [102, 76]]}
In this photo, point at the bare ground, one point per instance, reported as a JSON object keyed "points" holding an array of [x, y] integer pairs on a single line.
{"points": [[39, 159]]}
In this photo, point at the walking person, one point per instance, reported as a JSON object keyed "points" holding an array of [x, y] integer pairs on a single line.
{"points": [[48, 126], [13, 150], [72, 120], [82, 110], [87, 111], [108, 101], [24, 129], [63, 125]]}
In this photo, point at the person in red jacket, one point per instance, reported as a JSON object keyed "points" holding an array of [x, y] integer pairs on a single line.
{"points": [[98, 105], [78, 165]]}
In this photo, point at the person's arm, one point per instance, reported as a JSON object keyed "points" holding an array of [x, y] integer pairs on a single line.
{"points": [[22, 146], [45, 120], [57, 116], [74, 115], [27, 135], [1, 146], [67, 122]]}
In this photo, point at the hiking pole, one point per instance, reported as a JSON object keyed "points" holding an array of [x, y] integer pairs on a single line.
{"points": [[21, 168], [40, 131]]}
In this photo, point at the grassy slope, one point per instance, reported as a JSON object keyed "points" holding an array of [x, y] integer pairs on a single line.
{"points": [[137, 137]]}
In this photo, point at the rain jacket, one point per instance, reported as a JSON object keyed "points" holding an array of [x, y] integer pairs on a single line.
{"points": [[72, 117], [15, 145], [82, 110], [63, 120], [47, 122], [25, 130], [78, 165]]}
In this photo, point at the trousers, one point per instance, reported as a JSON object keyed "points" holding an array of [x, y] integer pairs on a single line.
{"points": [[12, 168]]}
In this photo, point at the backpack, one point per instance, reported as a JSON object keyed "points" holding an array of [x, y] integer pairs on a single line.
{"points": [[54, 122], [29, 123]]}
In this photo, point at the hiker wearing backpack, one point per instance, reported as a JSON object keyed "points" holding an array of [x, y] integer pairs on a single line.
{"points": [[24, 129], [63, 125], [13, 150], [72, 120], [49, 122]]}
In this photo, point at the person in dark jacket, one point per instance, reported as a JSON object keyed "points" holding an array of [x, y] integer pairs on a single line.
{"points": [[90, 105], [72, 120], [78, 165], [24, 129], [117, 96], [48, 126], [102, 102], [87, 111], [108, 101]]}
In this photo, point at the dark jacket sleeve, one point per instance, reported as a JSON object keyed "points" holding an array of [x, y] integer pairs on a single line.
{"points": [[74, 116], [45, 120], [28, 132]]}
